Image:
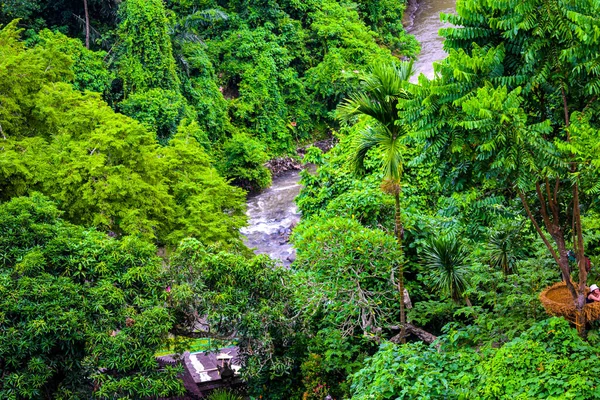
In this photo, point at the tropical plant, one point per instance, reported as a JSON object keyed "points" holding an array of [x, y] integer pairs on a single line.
{"points": [[345, 271], [382, 89], [186, 31], [243, 162], [224, 394], [504, 248], [82, 314], [447, 261], [514, 110]]}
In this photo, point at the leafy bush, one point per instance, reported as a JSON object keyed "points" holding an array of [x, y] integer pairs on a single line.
{"points": [[244, 159], [416, 371], [159, 110], [549, 361], [223, 394], [82, 314], [345, 271]]}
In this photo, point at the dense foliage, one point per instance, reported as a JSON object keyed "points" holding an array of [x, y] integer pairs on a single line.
{"points": [[81, 314], [514, 111], [129, 131], [548, 361], [113, 174], [270, 71]]}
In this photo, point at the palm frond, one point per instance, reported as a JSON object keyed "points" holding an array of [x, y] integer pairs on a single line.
{"points": [[446, 259], [369, 138], [382, 88]]}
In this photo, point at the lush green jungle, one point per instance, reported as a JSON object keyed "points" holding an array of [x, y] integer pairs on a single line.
{"points": [[131, 132]]}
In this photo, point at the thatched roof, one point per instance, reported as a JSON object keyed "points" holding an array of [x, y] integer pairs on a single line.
{"points": [[557, 301]]}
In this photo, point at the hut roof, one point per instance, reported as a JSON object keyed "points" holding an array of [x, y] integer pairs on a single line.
{"points": [[203, 365]]}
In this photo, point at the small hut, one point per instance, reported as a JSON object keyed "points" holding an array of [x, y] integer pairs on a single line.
{"points": [[207, 371]]}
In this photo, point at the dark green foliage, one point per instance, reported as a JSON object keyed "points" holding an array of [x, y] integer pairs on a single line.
{"points": [[347, 273], [505, 247], [81, 314], [273, 71], [346, 47], [202, 92], [256, 68], [222, 294], [223, 394], [244, 159], [19, 8], [345, 291], [417, 371], [386, 18], [159, 110], [447, 262], [548, 361], [513, 111], [313, 377]]}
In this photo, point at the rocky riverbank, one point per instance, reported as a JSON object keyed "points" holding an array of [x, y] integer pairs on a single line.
{"points": [[280, 165]]}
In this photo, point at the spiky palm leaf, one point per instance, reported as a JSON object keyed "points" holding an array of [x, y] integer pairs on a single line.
{"points": [[223, 394], [446, 260], [188, 30]]}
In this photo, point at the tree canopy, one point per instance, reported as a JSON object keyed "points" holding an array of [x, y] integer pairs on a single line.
{"points": [[82, 314], [130, 130], [113, 174]]}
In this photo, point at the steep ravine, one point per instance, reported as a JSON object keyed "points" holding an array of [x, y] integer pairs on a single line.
{"points": [[272, 214]]}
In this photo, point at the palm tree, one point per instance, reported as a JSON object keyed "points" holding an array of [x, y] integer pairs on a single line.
{"points": [[447, 260], [382, 89], [504, 250]]}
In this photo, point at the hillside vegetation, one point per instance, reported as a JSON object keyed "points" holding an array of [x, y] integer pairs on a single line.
{"points": [[131, 132]]}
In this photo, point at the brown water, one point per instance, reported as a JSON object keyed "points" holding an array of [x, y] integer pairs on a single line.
{"points": [[425, 26]]}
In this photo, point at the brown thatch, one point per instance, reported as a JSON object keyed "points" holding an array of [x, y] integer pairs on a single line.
{"points": [[557, 301]]}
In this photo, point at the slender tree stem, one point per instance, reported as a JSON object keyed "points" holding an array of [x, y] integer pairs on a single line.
{"points": [[87, 24], [537, 227], [398, 227]]}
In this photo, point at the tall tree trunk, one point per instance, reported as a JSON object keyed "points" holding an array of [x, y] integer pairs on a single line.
{"points": [[399, 234], [577, 233], [87, 24], [468, 302], [581, 263]]}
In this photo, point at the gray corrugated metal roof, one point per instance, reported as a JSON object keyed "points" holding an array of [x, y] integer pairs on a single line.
{"points": [[203, 365]]}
